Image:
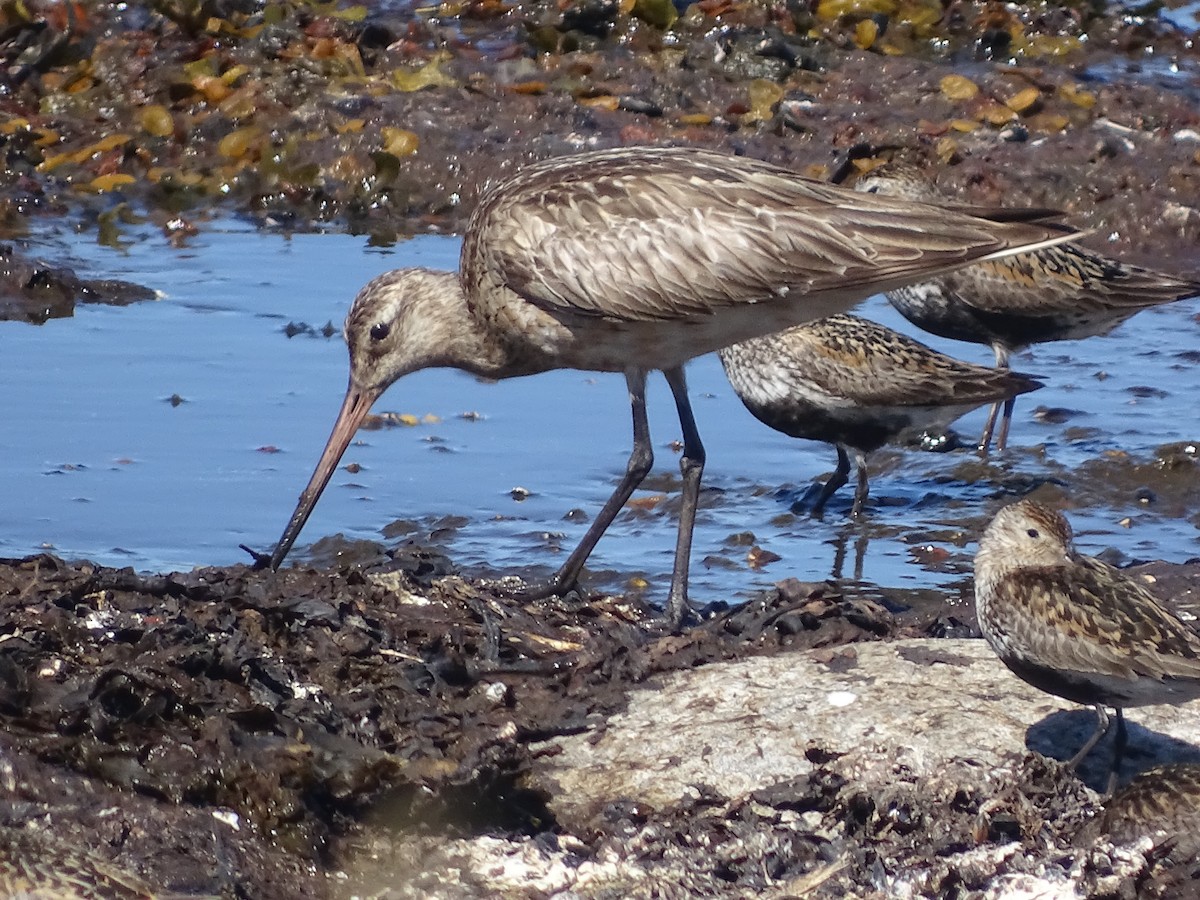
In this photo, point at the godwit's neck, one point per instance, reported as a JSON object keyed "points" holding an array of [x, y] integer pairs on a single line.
{"points": [[457, 332]]}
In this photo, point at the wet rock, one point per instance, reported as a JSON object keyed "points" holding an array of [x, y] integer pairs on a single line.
{"points": [[594, 17], [34, 291]]}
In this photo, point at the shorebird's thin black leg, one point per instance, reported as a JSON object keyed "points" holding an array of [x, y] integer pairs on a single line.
{"points": [[1119, 744], [1102, 726], [839, 477], [985, 440], [691, 467], [640, 461], [860, 493]]}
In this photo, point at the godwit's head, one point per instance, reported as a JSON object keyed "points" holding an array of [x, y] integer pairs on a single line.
{"points": [[398, 324], [402, 321]]}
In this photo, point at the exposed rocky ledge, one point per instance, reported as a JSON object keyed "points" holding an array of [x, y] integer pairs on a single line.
{"points": [[829, 754]]}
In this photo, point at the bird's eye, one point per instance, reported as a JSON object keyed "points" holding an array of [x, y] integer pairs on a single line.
{"points": [[380, 330], [1032, 532], [873, 189]]}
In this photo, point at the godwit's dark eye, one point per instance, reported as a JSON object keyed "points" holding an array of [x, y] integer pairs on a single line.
{"points": [[380, 330], [1032, 532]]}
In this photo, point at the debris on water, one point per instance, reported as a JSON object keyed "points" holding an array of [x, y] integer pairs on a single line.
{"points": [[758, 557], [1145, 392], [1056, 415]]}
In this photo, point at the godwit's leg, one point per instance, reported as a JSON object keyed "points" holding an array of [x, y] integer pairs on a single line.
{"points": [[839, 477], [1005, 421], [860, 493], [985, 439], [691, 467], [640, 461], [1102, 725]]}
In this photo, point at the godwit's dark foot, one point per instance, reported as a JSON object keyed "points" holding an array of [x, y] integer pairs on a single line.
{"points": [[261, 560], [529, 591], [680, 615]]}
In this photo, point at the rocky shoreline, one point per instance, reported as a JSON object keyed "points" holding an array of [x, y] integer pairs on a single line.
{"points": [[399, 731]]}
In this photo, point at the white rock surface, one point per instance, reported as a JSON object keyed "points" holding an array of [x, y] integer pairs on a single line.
{"points": [[922, 705]]}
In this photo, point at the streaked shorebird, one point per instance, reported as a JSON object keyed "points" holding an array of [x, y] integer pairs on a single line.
{"points": [[1076, 627], [1163, 802], [1058, 293], [637, 259], [40, 864], [857, 385]]}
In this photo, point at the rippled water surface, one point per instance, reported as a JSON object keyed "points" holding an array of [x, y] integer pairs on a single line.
{"points": [[96, 460]]}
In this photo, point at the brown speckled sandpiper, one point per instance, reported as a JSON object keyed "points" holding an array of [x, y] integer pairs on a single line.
{"points": [[39, 865], [1058, 293], [857, 385], [1163, 804], [1074, 626], [637, 259]]}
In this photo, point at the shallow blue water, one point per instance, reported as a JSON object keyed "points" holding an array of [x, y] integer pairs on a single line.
{"points": [[95, 462]]}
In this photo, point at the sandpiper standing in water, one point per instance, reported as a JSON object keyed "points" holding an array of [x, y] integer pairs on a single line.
{"points": [[637, 259], [1075, 627], [857, 385], [1058, 293]]}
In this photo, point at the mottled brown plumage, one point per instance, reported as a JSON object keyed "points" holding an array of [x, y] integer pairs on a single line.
{"points": [[637, 259], [857, 385], [1058, 293], [1159, 813], [37, 865], [1163, 804], [1076, 627]]}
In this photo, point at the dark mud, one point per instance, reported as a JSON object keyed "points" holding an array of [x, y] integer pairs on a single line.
{"points": [[247, 735], [243, 734], [225, 730]]}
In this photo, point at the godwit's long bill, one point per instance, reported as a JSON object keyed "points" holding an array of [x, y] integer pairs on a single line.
{"points": [[638, 259]]}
